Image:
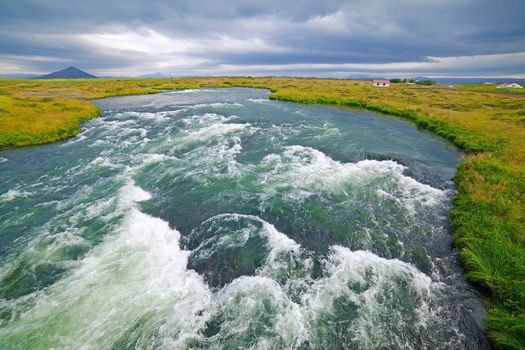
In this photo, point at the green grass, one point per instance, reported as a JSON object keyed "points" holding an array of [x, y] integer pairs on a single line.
{"points": [[488, 218], [490, 88], [41, 120]]}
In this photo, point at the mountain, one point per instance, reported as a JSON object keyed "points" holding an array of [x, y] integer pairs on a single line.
{"points": [[68, 73], [153, 75]]}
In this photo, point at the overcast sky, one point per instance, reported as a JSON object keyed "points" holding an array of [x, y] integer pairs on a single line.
{"points": [[475, 38]]}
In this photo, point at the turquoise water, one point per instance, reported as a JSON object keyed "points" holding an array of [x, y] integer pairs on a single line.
{"points": [[220, 219]]}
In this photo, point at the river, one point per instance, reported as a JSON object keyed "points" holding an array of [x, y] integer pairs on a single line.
{"points": [[217, 218]]}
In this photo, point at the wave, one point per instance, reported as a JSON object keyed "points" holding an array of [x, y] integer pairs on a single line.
{"points": [[359, 292], [215, 104], [344, 308], [303, 171], [137, 273], [159, 117], [191, 91], [259, 100], [14, 193], [136, 290], [247, 241]]}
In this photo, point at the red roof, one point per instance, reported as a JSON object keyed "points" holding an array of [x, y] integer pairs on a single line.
{"points": [[380, 81]]}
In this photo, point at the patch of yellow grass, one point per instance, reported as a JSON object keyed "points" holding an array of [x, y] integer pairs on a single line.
{"points": [[28, 121]]}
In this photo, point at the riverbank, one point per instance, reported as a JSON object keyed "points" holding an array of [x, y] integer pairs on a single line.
{"points": [[488, 218]]}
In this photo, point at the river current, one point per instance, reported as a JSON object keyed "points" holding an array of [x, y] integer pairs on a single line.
{"points": [[217, 218]]}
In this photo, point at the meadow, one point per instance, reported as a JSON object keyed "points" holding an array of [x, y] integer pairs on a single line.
{"points": [[488, 218], [490, 88]]}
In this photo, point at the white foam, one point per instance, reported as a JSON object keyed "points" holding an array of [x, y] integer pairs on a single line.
{"points": [[278, 242], [211, 144], [120, 131], [139, 270], [13, 194], [372, 284], [77, 138], [98, 142], [197, 120], [245, 301], [191, 91], [375, 286], [211, 131], [215, 104], [98, 207], [163, 116], [144, 159], [105, 162], [186, 91], [130, 193], [303, 171], [329, 130]]}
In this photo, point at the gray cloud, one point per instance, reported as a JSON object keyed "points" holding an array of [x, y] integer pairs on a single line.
{"points": [[330, 38]]}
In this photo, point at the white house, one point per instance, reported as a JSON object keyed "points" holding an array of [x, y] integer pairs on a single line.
{"points": [[381, 83], [509, 85]]}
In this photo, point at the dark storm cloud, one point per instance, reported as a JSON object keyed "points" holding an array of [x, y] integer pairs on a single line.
{"points": [[332, 38]]}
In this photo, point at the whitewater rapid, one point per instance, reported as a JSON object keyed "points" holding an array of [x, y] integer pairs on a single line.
{"points": [[219, 219]]}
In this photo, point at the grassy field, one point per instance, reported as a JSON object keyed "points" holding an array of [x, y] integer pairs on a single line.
{"points": [[489, 88], [488, 218]]}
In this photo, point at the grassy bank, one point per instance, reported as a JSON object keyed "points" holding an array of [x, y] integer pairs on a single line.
{"points": [[27, 122], [488, 218]]}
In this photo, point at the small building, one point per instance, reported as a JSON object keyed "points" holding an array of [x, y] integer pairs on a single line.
{"points": [[381, 83], [509, 86]]}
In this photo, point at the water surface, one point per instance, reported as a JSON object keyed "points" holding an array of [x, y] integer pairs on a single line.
{"points": [[221, 219]]}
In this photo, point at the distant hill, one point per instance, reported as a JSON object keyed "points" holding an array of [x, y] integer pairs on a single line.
{"points": [[472, 80], [450, 80], [153, 75], [68, 73]]}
